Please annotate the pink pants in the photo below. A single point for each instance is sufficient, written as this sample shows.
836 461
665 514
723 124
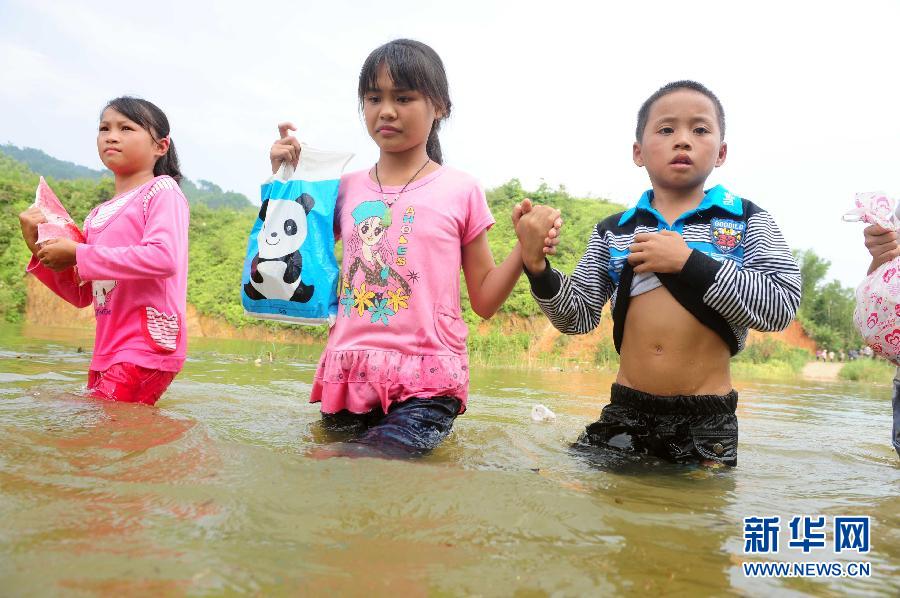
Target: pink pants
129 383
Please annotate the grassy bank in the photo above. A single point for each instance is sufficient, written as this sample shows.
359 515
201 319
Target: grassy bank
868 370
769 359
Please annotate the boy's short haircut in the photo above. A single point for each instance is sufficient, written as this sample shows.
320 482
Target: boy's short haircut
674 86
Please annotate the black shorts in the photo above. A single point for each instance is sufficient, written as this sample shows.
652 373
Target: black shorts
411 428
680 429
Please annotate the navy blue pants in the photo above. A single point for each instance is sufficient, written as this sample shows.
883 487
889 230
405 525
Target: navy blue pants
411 428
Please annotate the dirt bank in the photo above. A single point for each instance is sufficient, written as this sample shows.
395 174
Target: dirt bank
821 370
43 308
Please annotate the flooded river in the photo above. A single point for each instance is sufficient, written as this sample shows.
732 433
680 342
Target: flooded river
214 490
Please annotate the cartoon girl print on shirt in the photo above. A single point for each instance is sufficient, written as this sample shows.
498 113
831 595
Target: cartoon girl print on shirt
380 290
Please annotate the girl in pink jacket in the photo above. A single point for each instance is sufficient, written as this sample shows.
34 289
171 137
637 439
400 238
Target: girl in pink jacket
133 264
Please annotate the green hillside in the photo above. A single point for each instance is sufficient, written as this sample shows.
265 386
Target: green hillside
218 238
48 166
200 193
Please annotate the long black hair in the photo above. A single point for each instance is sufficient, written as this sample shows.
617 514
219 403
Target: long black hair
154 121
412 65
644 112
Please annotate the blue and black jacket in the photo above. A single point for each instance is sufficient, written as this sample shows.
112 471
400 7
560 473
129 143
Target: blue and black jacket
740 274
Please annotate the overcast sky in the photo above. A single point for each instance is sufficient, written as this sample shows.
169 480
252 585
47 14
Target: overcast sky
541 91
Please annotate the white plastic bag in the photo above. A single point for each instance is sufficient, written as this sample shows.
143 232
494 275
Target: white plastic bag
540 413
877 313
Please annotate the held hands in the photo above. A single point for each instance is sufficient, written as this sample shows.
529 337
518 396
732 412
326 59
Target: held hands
29 220
537 228
57 254
286 149
664 252
882 245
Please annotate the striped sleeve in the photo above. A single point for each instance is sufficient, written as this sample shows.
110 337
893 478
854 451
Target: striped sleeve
764 293
573 303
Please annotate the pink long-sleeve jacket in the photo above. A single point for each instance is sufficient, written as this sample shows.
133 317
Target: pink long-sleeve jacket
133 268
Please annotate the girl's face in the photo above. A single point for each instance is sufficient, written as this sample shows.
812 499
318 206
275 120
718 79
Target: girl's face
398 120
370 230
682 142
124 146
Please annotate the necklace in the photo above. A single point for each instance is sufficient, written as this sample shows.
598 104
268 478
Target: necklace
390 202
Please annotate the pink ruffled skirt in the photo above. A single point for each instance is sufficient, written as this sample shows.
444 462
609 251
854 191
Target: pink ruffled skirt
360 381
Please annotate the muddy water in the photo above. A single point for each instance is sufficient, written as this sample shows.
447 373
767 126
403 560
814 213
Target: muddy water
214 491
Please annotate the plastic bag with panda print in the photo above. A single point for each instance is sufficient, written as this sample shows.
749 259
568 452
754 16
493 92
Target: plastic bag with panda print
877 312
290 271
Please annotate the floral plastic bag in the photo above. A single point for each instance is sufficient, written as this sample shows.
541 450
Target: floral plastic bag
290 271
59 224
877 313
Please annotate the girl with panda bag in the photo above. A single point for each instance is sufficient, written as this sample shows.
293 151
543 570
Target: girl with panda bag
133 264
394 374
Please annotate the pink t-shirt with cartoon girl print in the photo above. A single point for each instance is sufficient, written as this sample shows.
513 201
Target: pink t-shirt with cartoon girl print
399 332
133 268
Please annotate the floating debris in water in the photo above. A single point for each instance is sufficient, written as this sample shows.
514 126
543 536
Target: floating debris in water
541 413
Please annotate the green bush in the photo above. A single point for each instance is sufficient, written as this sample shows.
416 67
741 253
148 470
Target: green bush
769 358
868 370
497 347
768 350
605 356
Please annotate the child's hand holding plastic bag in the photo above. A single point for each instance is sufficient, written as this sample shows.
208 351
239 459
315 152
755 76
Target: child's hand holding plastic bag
290 271
58 225
877 313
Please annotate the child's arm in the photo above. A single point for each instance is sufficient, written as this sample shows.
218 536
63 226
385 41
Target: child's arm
572 303
764 293
882 245
164 242
64 282
489 285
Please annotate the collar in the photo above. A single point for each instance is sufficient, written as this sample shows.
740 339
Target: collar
717 197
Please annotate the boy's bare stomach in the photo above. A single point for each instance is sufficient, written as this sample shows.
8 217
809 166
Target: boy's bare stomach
666 351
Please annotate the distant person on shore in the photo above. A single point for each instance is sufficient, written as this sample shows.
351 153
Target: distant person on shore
688 272
395 373
883 247
133 265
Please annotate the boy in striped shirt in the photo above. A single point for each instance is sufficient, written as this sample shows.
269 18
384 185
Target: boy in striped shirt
688 272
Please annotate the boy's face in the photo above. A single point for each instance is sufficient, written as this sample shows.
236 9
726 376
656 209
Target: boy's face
682 142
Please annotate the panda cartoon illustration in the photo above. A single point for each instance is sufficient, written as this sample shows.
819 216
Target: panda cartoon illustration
276 267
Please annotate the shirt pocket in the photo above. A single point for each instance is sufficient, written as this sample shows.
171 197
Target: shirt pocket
451 329
161 331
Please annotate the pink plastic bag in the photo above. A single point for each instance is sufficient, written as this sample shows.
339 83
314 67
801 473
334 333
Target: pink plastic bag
877 313
59 224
